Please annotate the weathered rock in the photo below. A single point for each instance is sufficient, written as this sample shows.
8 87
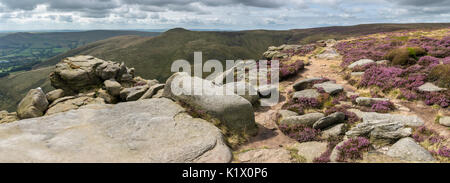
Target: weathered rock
158 94
408 149
265 156
334 156
334 131
311 150
445 120
330 87
324 122
430 87
366 101
244 90
153 131
307 119
234 112
357 74
361 62
55 94
71 103
286 113
108 98
33 104
385 62
412 121
329 54
6 117
238 73
304 84
80 73
380 130
266 91
107 70
309 93
152 91
113 87
133 94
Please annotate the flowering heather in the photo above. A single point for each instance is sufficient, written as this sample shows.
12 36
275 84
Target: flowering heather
436 98
300 132
302 51
427 60
298 105
381 76
353 149
287 70
408 94
423 133
444 151
446 60
325 156
350 117
383 106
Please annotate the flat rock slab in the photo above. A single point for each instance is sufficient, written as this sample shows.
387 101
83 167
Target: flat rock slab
430 87
154 131
309 93
412 120
445 121
361 62
408 149
265 156
307 119
367 101
303 84
311 150
330 87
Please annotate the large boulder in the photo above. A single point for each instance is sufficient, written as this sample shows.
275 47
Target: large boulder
152 131
330 87
245 90
407 120
307 119
265 156
34 104
361 62
235 114
113 87
430 87
81 73
383 130
304 84
408 149
55 94
332 119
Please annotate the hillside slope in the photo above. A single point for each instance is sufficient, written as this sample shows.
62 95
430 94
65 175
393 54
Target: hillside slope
152 57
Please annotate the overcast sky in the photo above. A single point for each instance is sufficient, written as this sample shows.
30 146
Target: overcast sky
214 14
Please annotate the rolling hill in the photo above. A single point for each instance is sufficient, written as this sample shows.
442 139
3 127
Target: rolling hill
153 56
22 50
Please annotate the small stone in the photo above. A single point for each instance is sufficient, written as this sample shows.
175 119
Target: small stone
304 84
307 119
330 87
367 101
445 121
309 93
334 131
324 122
361 62
430 87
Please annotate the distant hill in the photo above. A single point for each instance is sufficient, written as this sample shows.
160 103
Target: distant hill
153 56
22 50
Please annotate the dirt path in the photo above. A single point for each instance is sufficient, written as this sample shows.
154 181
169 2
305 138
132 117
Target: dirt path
270 136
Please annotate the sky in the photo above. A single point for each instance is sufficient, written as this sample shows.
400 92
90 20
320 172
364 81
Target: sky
213 14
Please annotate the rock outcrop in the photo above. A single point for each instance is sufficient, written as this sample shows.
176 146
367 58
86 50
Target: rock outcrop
330 87
309 93
304 84
34 104
6 117
360 63
153 130
234 113
412 121
383 130
408 149
332 119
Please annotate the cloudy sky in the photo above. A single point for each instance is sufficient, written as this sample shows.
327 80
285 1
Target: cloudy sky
214 14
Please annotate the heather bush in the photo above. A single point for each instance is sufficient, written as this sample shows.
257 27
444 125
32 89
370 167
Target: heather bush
325 156
383 106
353 149
300 132
408 94
436 98
422 133
444 151
441 75
427 60
288 70
446 60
